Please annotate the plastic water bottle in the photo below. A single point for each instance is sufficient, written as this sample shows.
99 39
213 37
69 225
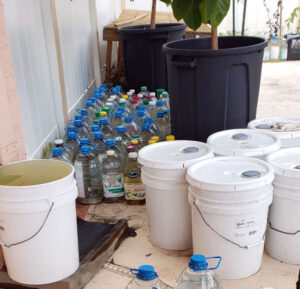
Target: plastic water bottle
163 125
198 276
59 143
80 117
136 144
116 120
99 145
274 48
86 118
166 99
153 96
131 126
283 49
114 93
81 130
99 98
123 103
145 278
59 155
112 177
94 128
110 144
72 144
159 92
94 101
133 186
139 117
144 91
153 126
88 176
121 131
146 134
106 128
90 108
152 109
134 105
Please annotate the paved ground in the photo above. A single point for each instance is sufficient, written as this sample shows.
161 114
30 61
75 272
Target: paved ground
279 96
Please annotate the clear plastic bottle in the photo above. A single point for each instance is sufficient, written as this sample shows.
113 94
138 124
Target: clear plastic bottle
94 128
88 177
166 99
123 103
116 120
145 278
80 117
152 109
112 177
103 93
153 126
81 129
139 117
136 144
153 96
133 186
146 134
274 48
133 105
106 128
59 143
86 118
94 101
131 126
99 146
59 155
159 92
114 93
110 144
198 275
121 131
144 91
163 125
90 108
283 49
99 98
71 142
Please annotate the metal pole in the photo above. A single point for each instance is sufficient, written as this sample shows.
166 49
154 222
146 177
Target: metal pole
244 17
233 17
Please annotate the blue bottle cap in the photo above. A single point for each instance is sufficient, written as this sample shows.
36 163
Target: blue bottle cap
145 126
142 107
101 90
119 87
199 263
84 141
159 103
95 127
84 112
148 119
78 117
97 95
98 135
118 114
103 121
160 114
93 99
85 150
96 89
145 273
127 119
71 135
89 103
110 142
121 108
140 113
78 122
71 128
121 129
114 90
103 85
57 151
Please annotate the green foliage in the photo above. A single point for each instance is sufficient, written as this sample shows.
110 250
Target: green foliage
196 12
47 149
291 19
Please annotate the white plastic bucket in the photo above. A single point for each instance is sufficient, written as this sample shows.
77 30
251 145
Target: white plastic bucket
38 227
244 142
230 197
285 128
163 175
283 234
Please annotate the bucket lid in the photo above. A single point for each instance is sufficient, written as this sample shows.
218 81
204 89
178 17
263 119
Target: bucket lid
178 154
230 174
243 142
286 162
283 127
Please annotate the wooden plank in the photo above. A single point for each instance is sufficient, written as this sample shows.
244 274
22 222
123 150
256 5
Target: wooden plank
89 266
108 61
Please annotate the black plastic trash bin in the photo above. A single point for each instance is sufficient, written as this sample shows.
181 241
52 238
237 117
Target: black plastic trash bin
144 61
213 90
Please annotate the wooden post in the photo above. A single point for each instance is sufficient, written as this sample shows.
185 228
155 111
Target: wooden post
214 39
60 64
119 64
153 14
108 61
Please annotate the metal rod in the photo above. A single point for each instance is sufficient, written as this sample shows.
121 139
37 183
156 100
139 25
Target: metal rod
244 17
233 17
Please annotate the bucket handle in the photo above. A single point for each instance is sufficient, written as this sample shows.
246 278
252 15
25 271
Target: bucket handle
189 63
282 232
220 235
2 243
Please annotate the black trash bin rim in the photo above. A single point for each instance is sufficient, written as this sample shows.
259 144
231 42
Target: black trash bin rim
259 44
145 28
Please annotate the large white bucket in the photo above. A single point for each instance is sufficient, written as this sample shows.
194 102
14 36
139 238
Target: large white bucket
244 142
285 128
283 234
163 175
230 197
38 228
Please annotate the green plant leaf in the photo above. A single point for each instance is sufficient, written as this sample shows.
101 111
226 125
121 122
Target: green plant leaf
207 8
219 13
168 2
181 8
194 18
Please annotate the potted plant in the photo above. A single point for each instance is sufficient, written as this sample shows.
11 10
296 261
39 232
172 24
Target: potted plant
213 82
144 61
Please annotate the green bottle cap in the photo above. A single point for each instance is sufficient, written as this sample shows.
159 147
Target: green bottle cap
146 102
97 113
135 136
144 88
107 109
159 91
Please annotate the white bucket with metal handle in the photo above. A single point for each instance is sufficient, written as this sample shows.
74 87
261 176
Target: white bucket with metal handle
230 197
38 227
283 234
164 177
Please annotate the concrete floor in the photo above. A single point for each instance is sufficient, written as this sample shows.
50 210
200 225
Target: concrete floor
279 96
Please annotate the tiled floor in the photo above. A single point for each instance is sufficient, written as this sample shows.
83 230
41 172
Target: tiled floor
279 95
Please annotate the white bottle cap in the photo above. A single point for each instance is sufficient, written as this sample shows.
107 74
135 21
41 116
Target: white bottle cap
140 95
132 155
59 141
110 153
132 90
152 94
152 102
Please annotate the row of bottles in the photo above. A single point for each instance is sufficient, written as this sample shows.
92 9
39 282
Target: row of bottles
277 49
103 140
196 276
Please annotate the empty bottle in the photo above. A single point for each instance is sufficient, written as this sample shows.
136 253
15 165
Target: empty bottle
131 126
99 145
136 144
90 108
59 143
94 101
133 186
163 125
153 126
110 144
166 99
116 120
94 128
80 117
106 128
146 134
198 276
139 117
112 177
86 118
144 91
71 142
81 129
152 109
88 176
99 98
159 92
121 131
134 105
145 278
59 155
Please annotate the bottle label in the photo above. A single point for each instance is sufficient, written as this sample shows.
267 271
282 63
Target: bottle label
113 186
134 191
80 183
